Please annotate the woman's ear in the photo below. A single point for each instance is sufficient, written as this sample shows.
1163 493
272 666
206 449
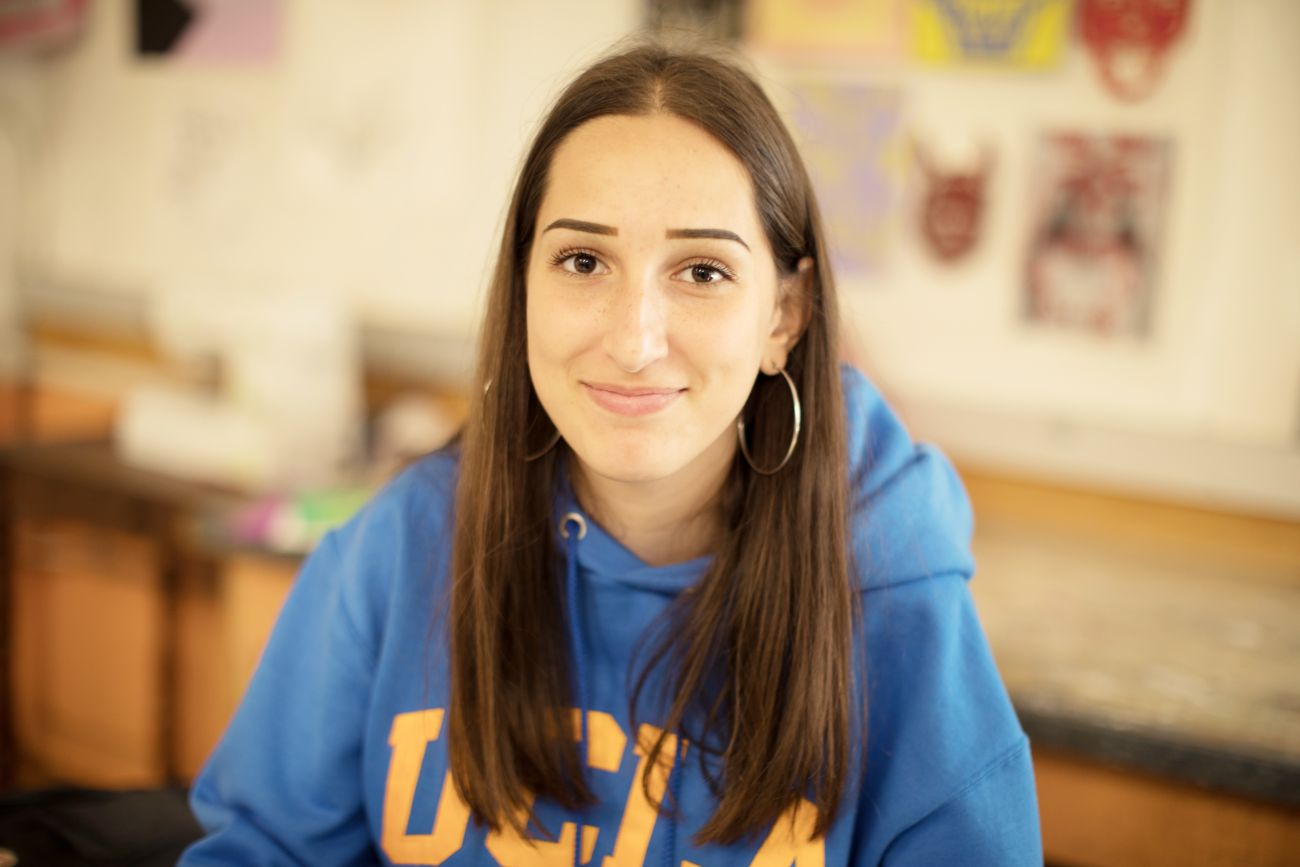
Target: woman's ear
790 318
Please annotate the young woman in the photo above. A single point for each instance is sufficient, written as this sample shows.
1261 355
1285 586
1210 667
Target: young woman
684 592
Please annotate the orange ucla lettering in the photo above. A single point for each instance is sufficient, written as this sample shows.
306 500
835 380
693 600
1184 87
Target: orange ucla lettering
409 736
605 753
790 841
639 815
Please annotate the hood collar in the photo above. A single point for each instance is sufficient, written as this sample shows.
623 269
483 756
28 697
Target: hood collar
601 557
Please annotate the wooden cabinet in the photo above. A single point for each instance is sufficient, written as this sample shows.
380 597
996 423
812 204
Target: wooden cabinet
253 588
89 623
201 705
118 680
1095 816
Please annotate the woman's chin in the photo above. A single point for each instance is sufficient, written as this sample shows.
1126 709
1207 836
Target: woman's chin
627 460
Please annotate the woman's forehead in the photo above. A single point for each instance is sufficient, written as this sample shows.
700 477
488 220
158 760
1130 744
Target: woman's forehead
648 173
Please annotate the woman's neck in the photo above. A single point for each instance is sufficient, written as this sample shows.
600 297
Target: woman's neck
661 521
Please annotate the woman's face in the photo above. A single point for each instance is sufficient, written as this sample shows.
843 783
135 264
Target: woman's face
652 298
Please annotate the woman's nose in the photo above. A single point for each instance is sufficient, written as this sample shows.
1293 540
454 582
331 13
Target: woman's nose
635 332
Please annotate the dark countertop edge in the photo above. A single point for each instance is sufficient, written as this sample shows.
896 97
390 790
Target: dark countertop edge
93 464
1271 778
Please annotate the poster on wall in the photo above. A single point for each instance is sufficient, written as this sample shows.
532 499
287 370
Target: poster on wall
952 202
39 24
1130 40
238 33
711 19
850 137
827 29
1027 34
1095 238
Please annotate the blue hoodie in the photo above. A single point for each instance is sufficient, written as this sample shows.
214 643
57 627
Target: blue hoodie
338 753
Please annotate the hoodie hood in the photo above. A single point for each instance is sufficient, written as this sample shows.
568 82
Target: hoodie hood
911 517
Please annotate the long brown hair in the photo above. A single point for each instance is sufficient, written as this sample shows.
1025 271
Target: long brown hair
759 654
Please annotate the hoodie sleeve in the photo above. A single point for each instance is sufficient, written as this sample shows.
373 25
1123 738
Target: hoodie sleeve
284 785
992 821
949 774
912 517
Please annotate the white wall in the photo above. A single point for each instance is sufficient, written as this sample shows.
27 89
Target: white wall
20 94
374 157
8 258
1243 353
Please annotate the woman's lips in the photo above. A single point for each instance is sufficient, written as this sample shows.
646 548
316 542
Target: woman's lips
632 401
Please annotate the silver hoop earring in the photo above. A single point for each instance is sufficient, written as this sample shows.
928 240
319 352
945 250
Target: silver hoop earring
794 437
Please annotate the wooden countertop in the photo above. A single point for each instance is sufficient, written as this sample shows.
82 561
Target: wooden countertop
1153 636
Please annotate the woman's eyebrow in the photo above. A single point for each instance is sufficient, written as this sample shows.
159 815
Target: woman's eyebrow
582 226
601 229
721 234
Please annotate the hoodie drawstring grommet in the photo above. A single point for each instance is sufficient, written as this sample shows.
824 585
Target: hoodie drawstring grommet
579 654
577 519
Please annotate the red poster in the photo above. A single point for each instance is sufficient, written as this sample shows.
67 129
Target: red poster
1095 242
1130 41
952 203
39 23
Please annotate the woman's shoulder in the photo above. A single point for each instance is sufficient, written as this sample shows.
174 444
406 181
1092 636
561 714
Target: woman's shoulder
911 517
383 556
940 716
425 480
412 500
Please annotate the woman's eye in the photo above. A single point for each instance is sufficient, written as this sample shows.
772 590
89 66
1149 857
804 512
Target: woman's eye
704 272
579 263
583 263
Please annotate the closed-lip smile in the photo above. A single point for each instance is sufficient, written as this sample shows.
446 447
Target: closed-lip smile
631 392
630 401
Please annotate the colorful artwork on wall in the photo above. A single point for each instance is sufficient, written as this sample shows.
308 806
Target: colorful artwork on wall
952 203
1130 41
210 32
1097 215
39 24
849 28
711 19
850 137
1021 33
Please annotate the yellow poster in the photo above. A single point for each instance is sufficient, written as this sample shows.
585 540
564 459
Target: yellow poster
835 27
1029 34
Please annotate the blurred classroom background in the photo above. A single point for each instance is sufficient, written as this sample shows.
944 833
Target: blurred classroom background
243 246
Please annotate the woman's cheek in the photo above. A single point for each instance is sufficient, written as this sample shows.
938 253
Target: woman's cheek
545 322
722 340
564 330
